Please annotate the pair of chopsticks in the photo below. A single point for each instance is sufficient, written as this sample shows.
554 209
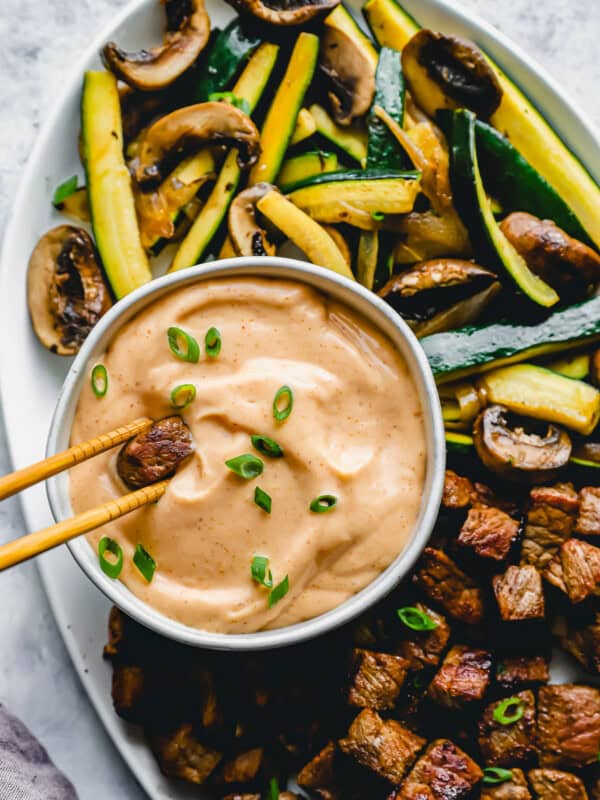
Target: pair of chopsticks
35 543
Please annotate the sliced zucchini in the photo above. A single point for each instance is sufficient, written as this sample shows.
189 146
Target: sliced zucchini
383 150
304 232
227 250
367 258
229 51
490 246
470 350
341 19
542 394
281 117
390 24
305 126
306 165
351 140
110 193
577 367
460 443
250 86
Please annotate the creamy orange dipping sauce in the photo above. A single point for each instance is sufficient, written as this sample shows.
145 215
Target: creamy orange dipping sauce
356 431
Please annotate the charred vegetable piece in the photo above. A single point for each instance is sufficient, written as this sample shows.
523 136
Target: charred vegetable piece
188 29
351 72
66 291
155 454
247 236
296 12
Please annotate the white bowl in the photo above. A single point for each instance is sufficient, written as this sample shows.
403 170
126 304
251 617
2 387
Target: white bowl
355 297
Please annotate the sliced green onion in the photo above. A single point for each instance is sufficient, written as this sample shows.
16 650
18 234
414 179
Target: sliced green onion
273 789
260 571
416 620
110 568
262 499
183 346
246 466
279 592
144 562
230 97
493 775
323 503
183 395
283 403
64 190
99 380
212 342
378 216
503 713
267 446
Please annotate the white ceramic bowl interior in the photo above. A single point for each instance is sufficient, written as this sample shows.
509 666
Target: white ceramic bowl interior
342 289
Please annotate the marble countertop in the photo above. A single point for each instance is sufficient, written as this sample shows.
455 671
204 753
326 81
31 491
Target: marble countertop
40 38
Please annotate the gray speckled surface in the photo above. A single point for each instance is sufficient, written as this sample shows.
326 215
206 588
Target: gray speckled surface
40 38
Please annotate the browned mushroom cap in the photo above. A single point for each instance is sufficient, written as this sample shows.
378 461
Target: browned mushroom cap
155 454
565 263
351 73
188 30
449 72
515 453
66 291
172 137
247 236
294 12
139 108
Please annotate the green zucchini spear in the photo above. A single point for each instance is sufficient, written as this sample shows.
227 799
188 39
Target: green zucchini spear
383 150
229 51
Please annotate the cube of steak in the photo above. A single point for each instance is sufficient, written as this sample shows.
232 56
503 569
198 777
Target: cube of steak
243 767
463 677
575 570
384 746
552 784
377 679
458 491
503 745
445 583
425 648
595 789
443 772
582 641
568 728
519 672
514 789
549 522
489 532
519 593
181 755
128 685
319 772
116 633
588 519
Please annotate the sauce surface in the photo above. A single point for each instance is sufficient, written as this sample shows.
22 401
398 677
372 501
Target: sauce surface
356 431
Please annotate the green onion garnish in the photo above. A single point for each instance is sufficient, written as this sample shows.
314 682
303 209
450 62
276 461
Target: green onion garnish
493 775
213 342
273 789
283 403
266 446
183 395
279 592
110 568
416 620
64 190
503 713
378 216
260 571
183 346
262 499
144 562
323 503
99 380
230 97
246 466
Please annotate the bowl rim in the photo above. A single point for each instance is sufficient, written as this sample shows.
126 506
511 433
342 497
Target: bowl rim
342 289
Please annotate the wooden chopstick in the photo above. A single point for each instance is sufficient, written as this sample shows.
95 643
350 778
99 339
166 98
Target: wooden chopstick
22 478
35 543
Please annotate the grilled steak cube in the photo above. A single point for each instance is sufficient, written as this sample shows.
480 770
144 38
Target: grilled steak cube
514 789
582 641
377 679
595 789
319 772
128 683
384 746
520 672
575 570
501 744
425 648
588 519
568 731
181 755
443 772
549 522
445 583
489 532
552 784
244 767
458 491
519 593
463 677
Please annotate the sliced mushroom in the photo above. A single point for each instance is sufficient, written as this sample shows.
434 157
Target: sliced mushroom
66 291
292 12
155 454
449 72
515 453
247 236
351 73
172 137
567 264
188 30
139 108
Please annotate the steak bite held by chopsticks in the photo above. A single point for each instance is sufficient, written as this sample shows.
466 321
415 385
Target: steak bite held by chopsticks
155 454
